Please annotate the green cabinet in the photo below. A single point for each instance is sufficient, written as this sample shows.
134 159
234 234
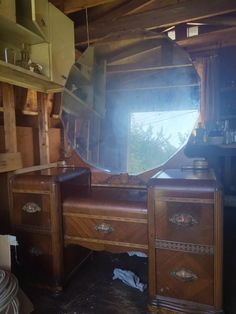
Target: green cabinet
48 35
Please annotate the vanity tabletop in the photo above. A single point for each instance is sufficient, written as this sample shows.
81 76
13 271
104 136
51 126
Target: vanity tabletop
55 174
186 179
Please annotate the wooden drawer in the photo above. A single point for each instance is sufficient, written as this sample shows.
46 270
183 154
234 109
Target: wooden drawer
197 285
184 222
113 230
35 253
31 210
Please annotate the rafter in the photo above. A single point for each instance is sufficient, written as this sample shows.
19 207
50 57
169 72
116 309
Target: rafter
124 9
71 6
184 12
217 38
130 52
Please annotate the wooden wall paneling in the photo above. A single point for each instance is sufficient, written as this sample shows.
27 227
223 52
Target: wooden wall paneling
55 145
9 118
25 143
43 128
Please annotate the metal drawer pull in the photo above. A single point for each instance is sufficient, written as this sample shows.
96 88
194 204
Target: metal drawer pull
183 220
31 208
104 228
35 251
184 275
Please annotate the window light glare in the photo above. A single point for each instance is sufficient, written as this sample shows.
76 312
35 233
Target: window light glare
192 31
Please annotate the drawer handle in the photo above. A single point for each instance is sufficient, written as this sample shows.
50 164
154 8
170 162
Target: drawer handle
104 228
183 220
35 251
184 275
31 208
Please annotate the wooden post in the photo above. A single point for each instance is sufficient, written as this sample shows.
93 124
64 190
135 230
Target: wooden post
43 128
9 118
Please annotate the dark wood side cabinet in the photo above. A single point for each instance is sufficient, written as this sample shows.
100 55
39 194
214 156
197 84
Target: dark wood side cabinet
185 242
36 220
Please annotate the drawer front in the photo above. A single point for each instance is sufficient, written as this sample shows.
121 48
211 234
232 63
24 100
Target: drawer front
31 210
35 253
185 276
184 222
117 230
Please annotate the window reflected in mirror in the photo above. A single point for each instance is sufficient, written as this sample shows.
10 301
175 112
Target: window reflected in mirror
129 106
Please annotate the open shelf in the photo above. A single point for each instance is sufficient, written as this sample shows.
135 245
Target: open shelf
16 75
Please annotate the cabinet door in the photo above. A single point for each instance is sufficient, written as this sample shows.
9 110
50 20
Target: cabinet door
62 45
33 14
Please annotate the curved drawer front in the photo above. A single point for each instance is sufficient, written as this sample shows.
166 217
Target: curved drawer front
185 276
31 210
108 229
184 222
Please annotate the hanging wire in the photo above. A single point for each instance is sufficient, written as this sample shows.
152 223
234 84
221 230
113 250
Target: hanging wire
87 25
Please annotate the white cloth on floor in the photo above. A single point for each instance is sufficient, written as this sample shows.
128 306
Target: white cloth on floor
129 278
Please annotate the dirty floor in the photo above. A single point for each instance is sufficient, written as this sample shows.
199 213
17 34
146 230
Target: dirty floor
92 290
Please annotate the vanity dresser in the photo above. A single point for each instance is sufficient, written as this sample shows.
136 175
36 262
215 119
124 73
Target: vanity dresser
185 242
36 217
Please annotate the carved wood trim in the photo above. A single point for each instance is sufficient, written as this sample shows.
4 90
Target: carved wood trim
80 241
28 191
171 305
185 247
185 200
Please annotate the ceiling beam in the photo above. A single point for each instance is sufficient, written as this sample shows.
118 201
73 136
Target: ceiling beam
132 51
71 6
124 9
133 68
219 21
190 10
216 39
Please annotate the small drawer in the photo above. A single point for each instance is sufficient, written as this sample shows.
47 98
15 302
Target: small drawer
185 276
184 222
31 210
35 252
120 230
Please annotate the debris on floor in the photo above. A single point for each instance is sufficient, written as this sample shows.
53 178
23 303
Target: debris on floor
129 278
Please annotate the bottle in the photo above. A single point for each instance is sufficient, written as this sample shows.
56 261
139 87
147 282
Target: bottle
227 133
25 57
200 134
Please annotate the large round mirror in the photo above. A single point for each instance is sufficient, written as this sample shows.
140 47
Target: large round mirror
129 105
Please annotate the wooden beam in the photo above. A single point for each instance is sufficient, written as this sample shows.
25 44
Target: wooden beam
124 9
9 118
219 38
219 21
124 68
153 87
180 13
133 51
158 79
127 37
71 6
43 128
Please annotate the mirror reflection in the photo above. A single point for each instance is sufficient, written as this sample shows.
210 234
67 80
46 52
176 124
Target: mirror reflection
129 105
